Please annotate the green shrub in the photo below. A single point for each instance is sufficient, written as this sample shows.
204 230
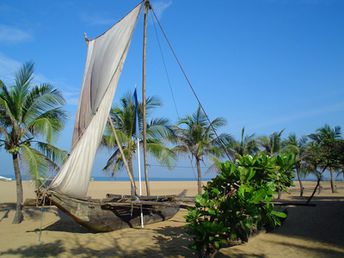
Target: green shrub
237 202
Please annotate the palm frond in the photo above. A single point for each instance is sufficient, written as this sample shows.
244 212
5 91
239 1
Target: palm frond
40 99
114 163
37 163
48 123
54 154
163 154
23 78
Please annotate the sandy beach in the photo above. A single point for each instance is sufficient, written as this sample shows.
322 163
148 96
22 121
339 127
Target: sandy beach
308 231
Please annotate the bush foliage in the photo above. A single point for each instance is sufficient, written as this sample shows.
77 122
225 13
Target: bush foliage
238 202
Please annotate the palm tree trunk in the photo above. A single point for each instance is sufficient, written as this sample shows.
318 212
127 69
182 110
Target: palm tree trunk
319 188
147 183
18 217
300 182
279 194
199 176
315 189
333 186
317 185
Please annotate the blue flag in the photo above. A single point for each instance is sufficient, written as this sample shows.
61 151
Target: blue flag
136 103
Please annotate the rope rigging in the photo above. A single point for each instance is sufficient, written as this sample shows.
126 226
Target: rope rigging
165 68
189 82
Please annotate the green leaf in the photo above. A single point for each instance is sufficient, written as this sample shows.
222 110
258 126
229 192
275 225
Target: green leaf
279 214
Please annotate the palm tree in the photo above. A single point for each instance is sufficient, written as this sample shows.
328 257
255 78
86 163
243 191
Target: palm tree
315 162
195 135
327 138
247 145
298 147
158 130
272 144
29 118
339 152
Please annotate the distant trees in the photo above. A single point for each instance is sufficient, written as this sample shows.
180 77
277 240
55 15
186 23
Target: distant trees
271 144
297 146
30 115
247 145
316 153
327 137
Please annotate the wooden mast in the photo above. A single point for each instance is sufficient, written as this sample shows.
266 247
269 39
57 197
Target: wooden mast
144 96
130 173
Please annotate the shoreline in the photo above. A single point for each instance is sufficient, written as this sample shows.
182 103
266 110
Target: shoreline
162 179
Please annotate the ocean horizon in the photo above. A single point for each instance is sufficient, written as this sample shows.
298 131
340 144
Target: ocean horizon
168 179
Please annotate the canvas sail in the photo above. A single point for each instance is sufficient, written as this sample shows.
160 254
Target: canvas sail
105 57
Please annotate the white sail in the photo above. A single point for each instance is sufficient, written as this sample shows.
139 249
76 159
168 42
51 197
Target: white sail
105 57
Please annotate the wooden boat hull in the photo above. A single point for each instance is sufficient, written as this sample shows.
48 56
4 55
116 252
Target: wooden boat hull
111 214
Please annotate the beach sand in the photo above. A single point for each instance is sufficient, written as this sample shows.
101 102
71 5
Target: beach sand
307 232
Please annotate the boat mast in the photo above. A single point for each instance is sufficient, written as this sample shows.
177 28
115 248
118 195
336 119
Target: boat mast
144 95
130 173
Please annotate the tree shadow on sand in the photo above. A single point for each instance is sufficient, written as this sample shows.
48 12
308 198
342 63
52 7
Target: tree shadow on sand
66 224
63 224
317 198
168 242
241 255
314 251
40 250
33 213
323 223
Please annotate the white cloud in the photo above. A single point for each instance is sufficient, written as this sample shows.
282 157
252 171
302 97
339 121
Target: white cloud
13 35
161 6
9 66
72 97
96 19
302 115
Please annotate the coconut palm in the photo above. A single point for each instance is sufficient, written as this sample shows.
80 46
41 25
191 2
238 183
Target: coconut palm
247 145
195 135
29 118
327 137
271 144
298 147
158 130
315 162
339 152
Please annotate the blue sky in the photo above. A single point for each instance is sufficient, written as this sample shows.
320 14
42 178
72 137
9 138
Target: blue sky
263 64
